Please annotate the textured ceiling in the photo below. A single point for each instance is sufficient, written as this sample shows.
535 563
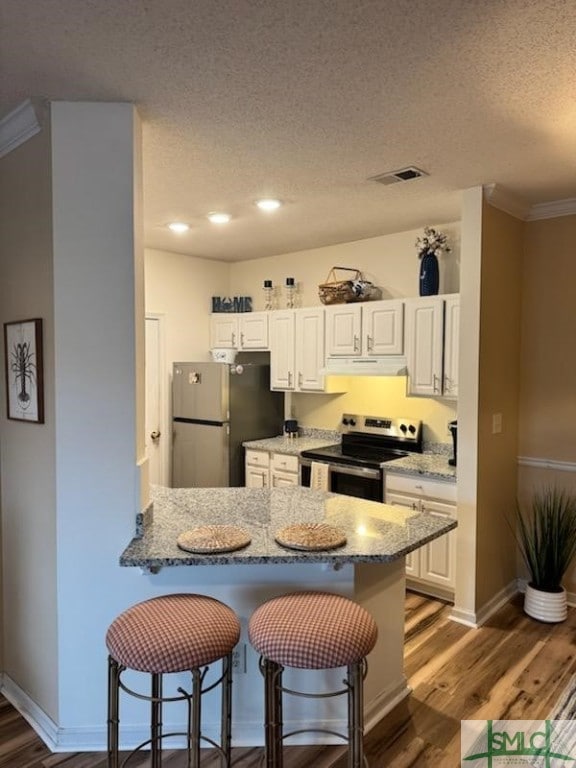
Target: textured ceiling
306 99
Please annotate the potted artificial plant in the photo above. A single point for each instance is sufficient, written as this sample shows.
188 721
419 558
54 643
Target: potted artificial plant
546 535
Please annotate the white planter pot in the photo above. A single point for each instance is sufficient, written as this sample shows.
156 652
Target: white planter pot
545 606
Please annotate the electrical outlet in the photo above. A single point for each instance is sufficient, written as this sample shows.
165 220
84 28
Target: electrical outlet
239 659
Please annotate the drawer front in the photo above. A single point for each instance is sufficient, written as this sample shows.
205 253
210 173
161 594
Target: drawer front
421 486
257 458
284 463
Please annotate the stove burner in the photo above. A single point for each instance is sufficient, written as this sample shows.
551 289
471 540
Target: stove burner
371 441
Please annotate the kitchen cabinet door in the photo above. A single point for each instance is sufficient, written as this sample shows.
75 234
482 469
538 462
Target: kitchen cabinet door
451 341
310 357
411 502
256 477
438 560
223 331
254 330
383 327
282 350
344 330
424 345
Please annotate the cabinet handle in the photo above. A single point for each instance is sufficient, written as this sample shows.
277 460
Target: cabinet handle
435 383
289 378
233 339
300 378
447 385
355 343
241 339
369 343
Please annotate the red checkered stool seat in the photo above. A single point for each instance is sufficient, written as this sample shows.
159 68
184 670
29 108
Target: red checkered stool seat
174 633
312 630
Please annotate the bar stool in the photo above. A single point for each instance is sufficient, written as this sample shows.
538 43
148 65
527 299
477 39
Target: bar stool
312 630
174 633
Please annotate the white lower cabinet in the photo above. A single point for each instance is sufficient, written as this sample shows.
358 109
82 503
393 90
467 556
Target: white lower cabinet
270 470
432 568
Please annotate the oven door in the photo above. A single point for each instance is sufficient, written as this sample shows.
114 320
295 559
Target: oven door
361 482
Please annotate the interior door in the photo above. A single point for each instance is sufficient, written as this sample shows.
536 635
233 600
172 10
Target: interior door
155 440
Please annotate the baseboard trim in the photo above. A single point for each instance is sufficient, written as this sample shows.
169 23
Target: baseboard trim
480 617
249 734
377 709
43 725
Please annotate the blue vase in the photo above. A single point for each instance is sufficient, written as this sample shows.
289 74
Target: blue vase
429 275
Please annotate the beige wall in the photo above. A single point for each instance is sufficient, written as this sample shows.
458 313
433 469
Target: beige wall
382 396
548 383
389 261
27 450
499 382
179 288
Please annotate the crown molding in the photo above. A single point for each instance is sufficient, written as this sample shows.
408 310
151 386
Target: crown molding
505 201
552 210
17 127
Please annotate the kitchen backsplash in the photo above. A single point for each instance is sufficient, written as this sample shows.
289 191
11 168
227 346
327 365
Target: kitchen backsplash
376 396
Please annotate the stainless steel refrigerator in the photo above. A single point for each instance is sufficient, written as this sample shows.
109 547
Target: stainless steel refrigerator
216 407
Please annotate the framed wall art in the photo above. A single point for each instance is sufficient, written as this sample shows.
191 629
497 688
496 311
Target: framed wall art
24 370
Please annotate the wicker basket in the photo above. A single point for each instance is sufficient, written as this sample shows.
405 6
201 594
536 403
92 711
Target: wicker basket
335 291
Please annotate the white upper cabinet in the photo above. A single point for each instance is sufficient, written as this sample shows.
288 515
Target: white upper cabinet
247 330
310 357
451 340
431 338
282 349
372 329
343 329
297 349
383 327
254 330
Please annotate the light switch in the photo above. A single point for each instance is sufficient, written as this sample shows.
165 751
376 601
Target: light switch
496 423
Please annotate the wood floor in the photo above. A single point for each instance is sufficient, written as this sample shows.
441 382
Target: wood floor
513 668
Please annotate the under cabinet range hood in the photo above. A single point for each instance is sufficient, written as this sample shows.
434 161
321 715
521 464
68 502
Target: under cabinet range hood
389 365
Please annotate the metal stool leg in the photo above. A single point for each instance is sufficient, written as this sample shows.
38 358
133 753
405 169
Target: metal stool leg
114 670
356 715
156 721
196 715
226 714
273 713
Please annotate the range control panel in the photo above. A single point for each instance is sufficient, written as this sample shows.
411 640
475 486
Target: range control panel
398 428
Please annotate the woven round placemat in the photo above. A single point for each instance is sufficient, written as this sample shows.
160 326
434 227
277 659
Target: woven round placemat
310 536
213 538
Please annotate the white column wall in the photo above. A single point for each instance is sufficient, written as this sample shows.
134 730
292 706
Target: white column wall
98 489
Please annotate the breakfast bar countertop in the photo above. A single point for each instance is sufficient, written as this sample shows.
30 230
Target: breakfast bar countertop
375 533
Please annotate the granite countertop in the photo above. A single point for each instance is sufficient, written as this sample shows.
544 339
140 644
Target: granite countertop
432 465
376 533
291 446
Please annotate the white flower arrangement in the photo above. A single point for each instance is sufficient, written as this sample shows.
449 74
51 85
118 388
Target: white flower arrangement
433 242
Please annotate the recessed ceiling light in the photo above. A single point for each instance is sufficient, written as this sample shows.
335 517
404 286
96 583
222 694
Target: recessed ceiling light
268 204
219 218
179 227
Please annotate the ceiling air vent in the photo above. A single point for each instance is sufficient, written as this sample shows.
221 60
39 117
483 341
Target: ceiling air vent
404 174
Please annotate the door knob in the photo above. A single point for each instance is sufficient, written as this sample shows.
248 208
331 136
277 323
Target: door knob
155 435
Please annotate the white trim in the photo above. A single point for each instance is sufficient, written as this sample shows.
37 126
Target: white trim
505 201
477 619
44 726
553 209
164 386
384 703
17 127
560 466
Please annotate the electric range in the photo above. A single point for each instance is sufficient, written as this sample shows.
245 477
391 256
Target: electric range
356 465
